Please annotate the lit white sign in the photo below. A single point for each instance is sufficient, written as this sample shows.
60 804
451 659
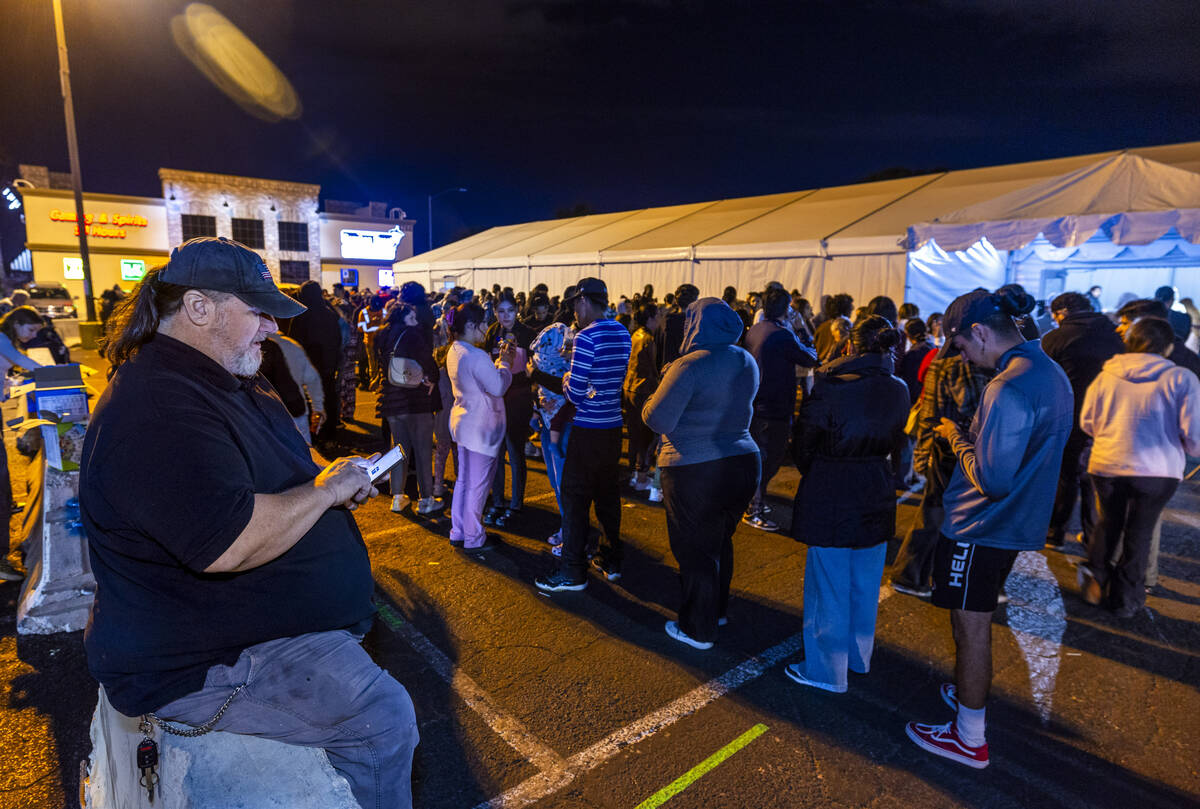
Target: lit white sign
132 269
373 245
387 278
73 268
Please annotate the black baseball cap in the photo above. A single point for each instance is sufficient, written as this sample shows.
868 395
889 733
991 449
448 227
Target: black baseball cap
962 313
594 288
223 265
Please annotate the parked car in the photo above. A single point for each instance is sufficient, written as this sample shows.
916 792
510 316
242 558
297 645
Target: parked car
51 300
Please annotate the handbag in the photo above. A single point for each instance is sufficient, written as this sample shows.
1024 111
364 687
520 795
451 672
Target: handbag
404 372
914 420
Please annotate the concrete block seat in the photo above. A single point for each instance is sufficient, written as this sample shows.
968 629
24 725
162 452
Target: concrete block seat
214 771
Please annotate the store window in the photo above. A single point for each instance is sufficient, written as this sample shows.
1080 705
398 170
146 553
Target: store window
195 226
293 272
293 236
249 232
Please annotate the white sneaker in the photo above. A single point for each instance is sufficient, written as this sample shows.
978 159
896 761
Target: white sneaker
428 506
655 494
400 502
678 634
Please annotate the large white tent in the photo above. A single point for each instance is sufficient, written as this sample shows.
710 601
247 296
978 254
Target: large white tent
851 238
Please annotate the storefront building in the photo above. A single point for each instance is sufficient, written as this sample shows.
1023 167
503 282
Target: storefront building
358 244
279 220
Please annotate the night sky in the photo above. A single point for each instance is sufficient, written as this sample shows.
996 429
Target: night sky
540 105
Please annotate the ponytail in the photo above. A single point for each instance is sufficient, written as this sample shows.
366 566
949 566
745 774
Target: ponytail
136 320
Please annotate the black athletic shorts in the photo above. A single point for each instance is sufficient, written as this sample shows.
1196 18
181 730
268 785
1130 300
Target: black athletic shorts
967 576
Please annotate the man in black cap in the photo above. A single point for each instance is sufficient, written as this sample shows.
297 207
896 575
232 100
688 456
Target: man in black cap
233 587
592 469
998 501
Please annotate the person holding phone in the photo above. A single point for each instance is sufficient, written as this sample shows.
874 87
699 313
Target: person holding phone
518 410
477 421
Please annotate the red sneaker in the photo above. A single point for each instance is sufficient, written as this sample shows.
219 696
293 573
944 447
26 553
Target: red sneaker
943 740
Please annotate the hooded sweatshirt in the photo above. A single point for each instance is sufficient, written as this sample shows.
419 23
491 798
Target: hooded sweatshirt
1143 412
705 401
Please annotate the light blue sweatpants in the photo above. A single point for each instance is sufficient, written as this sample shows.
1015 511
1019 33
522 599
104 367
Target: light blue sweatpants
841 599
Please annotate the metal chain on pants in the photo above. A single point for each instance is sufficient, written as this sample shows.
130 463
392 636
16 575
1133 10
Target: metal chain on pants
198 730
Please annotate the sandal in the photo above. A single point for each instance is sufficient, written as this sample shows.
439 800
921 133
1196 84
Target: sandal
490 514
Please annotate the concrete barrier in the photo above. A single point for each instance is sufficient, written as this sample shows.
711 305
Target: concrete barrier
214 771
59 586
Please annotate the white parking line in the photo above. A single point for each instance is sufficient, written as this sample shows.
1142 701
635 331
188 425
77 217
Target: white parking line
507 727
550 781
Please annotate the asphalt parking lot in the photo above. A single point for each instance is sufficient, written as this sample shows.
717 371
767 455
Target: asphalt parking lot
582 700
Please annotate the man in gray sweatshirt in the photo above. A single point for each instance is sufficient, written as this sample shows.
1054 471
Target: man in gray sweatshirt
998 501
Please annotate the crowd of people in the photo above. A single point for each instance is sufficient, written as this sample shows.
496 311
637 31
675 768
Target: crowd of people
1001 430
200 481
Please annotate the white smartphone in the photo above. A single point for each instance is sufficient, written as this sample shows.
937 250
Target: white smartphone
379 465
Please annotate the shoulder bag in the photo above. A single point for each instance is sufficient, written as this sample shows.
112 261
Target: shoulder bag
404 372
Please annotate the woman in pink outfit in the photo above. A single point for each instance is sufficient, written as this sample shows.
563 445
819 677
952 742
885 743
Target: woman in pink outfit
477 421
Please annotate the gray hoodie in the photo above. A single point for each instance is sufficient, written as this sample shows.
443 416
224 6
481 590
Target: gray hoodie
1144 413
704 403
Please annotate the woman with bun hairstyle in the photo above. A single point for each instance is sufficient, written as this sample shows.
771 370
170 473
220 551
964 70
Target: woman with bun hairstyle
477 421
1143 413
845 508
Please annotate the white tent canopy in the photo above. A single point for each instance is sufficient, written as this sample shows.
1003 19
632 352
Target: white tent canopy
820 241
1138 199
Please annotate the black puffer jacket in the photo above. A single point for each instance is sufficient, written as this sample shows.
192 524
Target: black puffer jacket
849 423
415 343
1081 344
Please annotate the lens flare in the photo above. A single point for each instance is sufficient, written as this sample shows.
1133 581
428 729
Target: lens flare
234 64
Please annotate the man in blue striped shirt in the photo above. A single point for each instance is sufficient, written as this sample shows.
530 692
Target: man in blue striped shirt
591 472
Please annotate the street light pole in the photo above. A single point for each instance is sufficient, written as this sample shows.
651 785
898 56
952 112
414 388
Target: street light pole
429 209
64 75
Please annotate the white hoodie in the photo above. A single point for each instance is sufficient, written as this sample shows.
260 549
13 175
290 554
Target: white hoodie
1144 413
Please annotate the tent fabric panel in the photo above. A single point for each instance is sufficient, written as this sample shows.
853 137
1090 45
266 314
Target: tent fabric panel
1133 228
936 277
711 276
1146 197
1184 156
817 215
620 230
705 223
456 247
563 231
864 277
629 279
958 189
810 248
501 237
1120 183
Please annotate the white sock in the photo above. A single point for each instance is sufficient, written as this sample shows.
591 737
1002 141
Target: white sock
971 725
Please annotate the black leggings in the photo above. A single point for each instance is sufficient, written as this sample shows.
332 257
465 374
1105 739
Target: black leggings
1126 510
704 502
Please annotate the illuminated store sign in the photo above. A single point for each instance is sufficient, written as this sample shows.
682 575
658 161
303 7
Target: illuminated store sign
73 268
373 245
132 269
102 226
387 278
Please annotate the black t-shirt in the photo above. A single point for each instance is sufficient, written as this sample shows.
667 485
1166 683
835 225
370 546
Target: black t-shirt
175 452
